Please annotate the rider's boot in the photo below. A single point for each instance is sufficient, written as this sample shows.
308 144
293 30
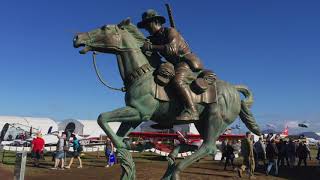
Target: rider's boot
190 113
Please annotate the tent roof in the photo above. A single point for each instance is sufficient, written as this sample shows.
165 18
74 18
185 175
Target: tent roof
92 128
88 127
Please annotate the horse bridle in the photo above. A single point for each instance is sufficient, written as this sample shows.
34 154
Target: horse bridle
94 53
135 74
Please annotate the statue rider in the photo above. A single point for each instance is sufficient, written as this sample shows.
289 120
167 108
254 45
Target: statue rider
169 43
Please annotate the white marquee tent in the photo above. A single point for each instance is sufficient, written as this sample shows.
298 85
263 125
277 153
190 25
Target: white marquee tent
86 127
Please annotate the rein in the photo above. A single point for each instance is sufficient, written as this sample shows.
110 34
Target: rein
123 89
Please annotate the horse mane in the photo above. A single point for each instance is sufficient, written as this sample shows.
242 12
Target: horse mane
135 32
140 38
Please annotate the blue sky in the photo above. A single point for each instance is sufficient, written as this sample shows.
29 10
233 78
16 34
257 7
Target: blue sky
270 46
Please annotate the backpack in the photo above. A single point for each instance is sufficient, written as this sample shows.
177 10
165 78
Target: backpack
80 148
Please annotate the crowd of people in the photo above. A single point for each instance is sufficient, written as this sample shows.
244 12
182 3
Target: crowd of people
269 154
63 151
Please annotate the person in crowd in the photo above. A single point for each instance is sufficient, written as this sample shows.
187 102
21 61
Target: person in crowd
280 148
77 149
59 154
283 158
260 148
248 157
269 137
111 159
286 156
291 153
109 153
37 147
229 153
309 151
223 150
318 153
272 156
302 153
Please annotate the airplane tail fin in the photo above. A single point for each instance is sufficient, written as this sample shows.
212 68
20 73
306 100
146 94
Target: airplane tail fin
285 131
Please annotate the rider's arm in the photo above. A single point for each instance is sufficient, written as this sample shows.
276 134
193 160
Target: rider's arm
170 48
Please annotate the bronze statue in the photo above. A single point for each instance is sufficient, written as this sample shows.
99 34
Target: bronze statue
169 43
218 103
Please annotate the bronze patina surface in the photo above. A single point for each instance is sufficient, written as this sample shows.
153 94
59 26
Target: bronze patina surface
138 70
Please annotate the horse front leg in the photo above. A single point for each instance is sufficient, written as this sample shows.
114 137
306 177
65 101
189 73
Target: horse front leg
124 115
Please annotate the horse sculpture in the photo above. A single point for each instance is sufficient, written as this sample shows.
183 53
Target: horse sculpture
124 40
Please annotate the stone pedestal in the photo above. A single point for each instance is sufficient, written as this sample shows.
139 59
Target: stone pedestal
20 166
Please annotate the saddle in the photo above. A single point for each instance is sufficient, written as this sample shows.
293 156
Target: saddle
203 87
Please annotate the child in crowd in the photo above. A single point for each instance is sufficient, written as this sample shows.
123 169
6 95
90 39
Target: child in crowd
109 152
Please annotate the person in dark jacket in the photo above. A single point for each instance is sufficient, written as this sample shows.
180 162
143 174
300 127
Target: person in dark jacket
285 157
302 153
229 155
272 156
260 148
318 153
281 145
223 150
291 152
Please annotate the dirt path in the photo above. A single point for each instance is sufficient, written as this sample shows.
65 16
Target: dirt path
153 170
5 174
151 167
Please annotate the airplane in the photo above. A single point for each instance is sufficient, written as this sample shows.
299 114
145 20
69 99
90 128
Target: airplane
303 125
16 134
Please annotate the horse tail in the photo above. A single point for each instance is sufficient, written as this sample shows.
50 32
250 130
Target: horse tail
245 113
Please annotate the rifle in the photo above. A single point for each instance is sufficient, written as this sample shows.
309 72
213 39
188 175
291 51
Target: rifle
170 16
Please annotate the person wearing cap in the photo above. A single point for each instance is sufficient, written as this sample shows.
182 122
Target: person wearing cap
169 43
248 156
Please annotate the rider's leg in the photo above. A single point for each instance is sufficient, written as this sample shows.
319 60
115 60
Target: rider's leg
181 82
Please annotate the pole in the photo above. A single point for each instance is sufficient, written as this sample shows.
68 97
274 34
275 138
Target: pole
20 165
2 160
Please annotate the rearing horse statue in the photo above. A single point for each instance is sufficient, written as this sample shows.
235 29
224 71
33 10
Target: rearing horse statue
124 40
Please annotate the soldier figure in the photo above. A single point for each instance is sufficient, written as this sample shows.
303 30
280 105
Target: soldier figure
169 43
248 156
